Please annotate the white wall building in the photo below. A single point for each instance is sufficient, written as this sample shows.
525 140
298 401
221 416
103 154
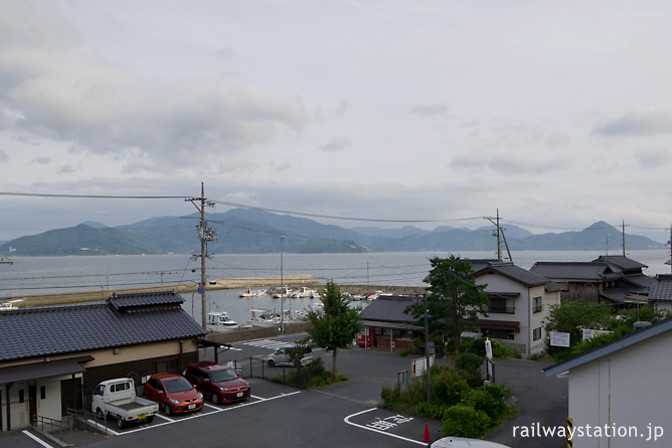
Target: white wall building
519 302
619 393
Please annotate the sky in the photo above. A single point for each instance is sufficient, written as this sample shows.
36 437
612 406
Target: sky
383 112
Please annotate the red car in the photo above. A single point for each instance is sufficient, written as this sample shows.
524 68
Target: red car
173 393
218 382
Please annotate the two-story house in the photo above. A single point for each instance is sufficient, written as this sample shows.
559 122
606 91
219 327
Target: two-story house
520 300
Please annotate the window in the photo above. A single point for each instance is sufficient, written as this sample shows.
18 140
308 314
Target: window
536 304
501 305
43 392
536 334
100 390
21 396
498 333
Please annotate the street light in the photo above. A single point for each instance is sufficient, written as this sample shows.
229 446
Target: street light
282 289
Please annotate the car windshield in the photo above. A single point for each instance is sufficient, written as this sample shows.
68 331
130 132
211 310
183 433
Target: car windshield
219 376
177 385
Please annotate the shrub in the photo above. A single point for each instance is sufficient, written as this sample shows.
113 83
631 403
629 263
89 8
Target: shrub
499 351
448 386
465 421
470 365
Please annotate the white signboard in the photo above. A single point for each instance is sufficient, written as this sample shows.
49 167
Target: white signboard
559 339
488 348
590 334
420 363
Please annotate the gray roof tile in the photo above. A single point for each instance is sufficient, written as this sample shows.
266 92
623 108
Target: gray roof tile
661 289
43 331
389 309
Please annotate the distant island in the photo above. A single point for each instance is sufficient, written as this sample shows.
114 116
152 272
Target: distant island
246 231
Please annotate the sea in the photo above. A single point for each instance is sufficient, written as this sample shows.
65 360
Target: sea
45 275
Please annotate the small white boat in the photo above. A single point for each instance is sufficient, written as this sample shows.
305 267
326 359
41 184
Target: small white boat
220 319
263 318
253 293
305 293
9 304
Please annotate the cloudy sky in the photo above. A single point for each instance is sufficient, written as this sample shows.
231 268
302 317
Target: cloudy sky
559 114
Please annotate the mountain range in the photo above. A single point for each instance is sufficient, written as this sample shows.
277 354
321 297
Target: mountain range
254 231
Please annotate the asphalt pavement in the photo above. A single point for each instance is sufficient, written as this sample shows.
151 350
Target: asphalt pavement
341 414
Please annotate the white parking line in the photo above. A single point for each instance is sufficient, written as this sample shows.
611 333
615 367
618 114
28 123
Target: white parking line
165 417
347 420
218 410
37 439
102 428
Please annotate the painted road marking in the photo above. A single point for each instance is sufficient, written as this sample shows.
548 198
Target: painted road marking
199 415
376 427
37 439
267 343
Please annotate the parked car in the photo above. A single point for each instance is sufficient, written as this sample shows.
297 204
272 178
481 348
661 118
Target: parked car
117 399
281 358
220 383
173 392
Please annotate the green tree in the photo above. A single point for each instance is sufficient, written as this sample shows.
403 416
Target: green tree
454 300
336 325
573 317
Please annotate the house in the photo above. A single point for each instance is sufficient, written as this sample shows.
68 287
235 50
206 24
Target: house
520 300
51 358
661 293
613 279
623 388
387 326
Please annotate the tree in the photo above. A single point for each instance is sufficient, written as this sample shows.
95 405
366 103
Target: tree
454 300
336 325
572 317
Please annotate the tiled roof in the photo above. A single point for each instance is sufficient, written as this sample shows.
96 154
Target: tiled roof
571 270
144 299
643 282
621 263
30 332
661 289
514 272
389 309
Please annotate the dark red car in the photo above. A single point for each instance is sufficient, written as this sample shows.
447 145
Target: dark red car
173 393
218 382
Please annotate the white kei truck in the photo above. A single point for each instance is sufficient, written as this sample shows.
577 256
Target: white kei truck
117 399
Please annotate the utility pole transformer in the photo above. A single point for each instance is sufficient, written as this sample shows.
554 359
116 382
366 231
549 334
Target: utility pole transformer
205 234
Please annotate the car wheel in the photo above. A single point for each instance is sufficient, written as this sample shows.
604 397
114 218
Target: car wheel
215 398
120 423
150 419
166 408
271 363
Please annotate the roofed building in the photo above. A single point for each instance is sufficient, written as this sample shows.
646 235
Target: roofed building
661 293
51 358
613 279
622 390
387 326
520 300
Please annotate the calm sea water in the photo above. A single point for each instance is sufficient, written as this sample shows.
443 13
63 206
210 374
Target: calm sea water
35 275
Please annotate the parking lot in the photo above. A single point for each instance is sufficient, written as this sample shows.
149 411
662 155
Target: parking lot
340 415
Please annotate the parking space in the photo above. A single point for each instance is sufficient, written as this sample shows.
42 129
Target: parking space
262 391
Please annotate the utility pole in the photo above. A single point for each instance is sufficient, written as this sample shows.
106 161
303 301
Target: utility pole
500 231
205 234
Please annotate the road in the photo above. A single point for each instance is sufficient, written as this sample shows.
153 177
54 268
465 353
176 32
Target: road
339 415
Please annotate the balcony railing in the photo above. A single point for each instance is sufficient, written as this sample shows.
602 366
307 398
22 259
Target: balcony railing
511 309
